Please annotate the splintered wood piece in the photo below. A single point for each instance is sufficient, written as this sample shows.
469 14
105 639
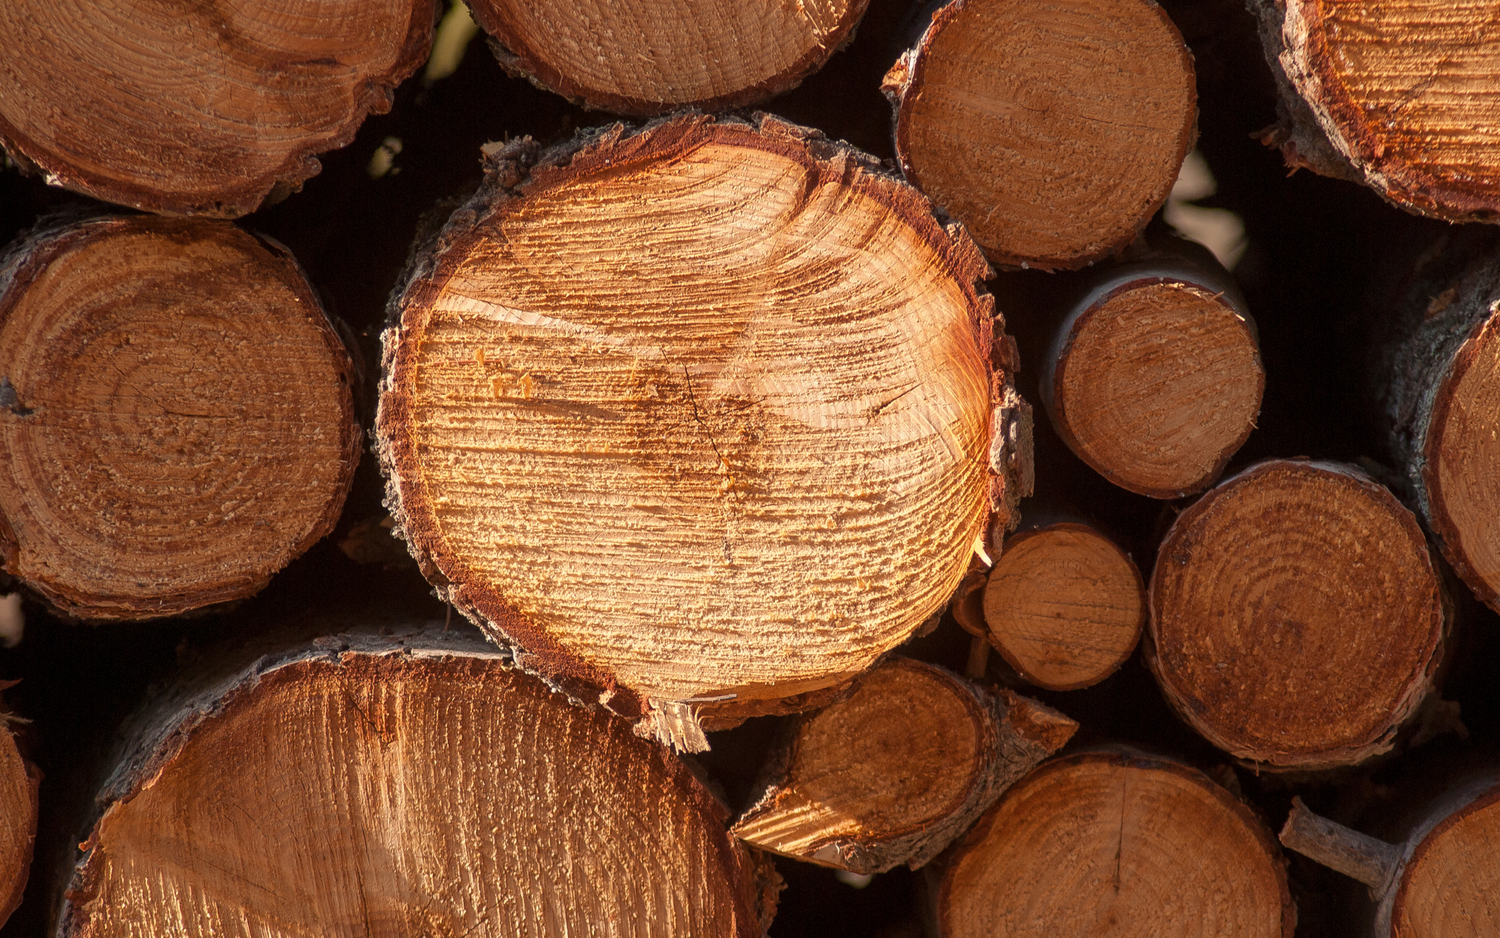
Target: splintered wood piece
1400 95
698 415
1064 606
1053 131
1296 619
894 772
1119 844
1155 380
176 419
650 56
400 786
199 108
1441 880
19 780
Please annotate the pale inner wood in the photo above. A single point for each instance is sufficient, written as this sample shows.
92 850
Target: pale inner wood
1065 606
1296 614
1051 129
1423 74
1100 848
1462 452
1160 384
1450 890
397 798
717 423
187 424
673 53
900 753
190 98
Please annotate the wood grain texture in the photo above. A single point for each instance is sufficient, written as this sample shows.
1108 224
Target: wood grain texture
176 417
199 107
894 772
697 413
1064 606
648 56
1116 844
19 781
406 785
1052 130
1296 618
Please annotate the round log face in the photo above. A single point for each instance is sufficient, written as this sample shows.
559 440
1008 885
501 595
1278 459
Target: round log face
646 56
1407 91
1296 619
18 815
1450 883
1460 455
1064 606
201 107
1053 130
386 795
1099 844
1157 385
697 414
176 421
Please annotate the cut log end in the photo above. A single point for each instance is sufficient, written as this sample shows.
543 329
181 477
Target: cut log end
894 772
378 792
1064 606
176 417
1450 881
201 110
1156 385
19 781
1291 643
645 56
998 94
1099 842
1404 93
702 412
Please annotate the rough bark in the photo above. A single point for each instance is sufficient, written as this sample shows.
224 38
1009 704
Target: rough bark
1118 843
894 772
703 416
407 783
1052 131
1064 606
1396 95
647 57
208 109
176 416
1296 616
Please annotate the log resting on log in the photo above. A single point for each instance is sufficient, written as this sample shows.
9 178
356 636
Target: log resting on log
200 108
1116 843
703 416
1399 95
1296 616
1052 131
646 57
897 770
408 784
176 416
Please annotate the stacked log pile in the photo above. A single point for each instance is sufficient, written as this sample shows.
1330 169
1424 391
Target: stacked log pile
538 494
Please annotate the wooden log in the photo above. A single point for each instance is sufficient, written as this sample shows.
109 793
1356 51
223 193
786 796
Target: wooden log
1052 132
1296 617
1153 376
1394 95
1441 880
404 784
206 109
647 57
19 783
1116 843
176 417
1064 605
703 416
1437 383
893 773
